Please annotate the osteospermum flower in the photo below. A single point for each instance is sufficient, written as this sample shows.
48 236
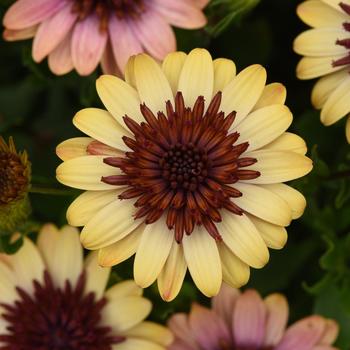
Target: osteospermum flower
326 48
51 298
239 321
185 169
78 34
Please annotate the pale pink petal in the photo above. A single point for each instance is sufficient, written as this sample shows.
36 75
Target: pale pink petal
277 318
26 13
52 31
331 333
180 327
208 328
155 34
180 14
60 59
181 345
88 44
324 347
124 41
223 304
249 320
108 62
200 3
22 34
304 334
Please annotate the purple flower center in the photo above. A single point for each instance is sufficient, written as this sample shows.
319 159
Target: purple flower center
56 319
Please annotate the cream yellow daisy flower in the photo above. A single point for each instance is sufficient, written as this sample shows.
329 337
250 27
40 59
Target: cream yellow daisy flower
51 298
185 169
326 48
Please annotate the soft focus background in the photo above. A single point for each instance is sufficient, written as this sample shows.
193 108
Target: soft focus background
313 270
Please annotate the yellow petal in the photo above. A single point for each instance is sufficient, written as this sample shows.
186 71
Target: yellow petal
8 292
173 273
73 148
197 77
335 4
203 261
273 94
130 72
224 72
172 66
288 142
134 343
315 67
123 289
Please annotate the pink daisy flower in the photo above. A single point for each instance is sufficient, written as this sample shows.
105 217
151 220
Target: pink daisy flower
78 34
244 321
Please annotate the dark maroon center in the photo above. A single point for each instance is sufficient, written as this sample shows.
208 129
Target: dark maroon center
56 319
344 42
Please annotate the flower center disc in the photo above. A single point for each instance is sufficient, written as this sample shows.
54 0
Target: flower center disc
56 319
183 165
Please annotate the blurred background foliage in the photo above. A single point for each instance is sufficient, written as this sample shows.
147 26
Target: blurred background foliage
313 270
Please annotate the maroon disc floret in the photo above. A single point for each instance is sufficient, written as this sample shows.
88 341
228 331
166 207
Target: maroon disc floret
56 319
184 164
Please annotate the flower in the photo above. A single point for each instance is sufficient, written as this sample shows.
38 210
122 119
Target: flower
78 34
245 321
15 174
50 298
326 48
185 169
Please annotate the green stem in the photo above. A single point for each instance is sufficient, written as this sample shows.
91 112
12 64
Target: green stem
50 190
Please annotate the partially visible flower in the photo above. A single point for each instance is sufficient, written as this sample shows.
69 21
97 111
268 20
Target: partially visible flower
15 173
185 169
326 48
245 321
51 298
78 34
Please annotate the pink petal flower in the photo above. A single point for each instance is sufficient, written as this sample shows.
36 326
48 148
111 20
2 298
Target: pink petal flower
52 31
179 325
26 13
331 333
249 320
13 35
88 44
60 59
108 62
304 334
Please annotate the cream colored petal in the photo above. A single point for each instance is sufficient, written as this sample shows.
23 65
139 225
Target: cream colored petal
121 250
3 323
7 286
234 271
335 4
278 166
152 252
126 312
273 94
295 200
27 265
264 125
263 203
100 125
62 253
337 105
133 344
288 142
277 318
242 237
224 72
85 173
119 98
316 13
320 42
96 276
243 92
315 67
73 148
152 84
325 86
130 72
331 333
109 225
347 129
173 273
152 332
274 236
172 66
85 206
197 77
123 289
203 261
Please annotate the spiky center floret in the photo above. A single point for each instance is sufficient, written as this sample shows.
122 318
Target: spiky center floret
14 171
344 61
56 319
183 165
104 8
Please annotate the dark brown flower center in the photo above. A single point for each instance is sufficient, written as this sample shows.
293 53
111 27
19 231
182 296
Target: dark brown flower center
344 42
13 177
183 165
56 319
104 8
